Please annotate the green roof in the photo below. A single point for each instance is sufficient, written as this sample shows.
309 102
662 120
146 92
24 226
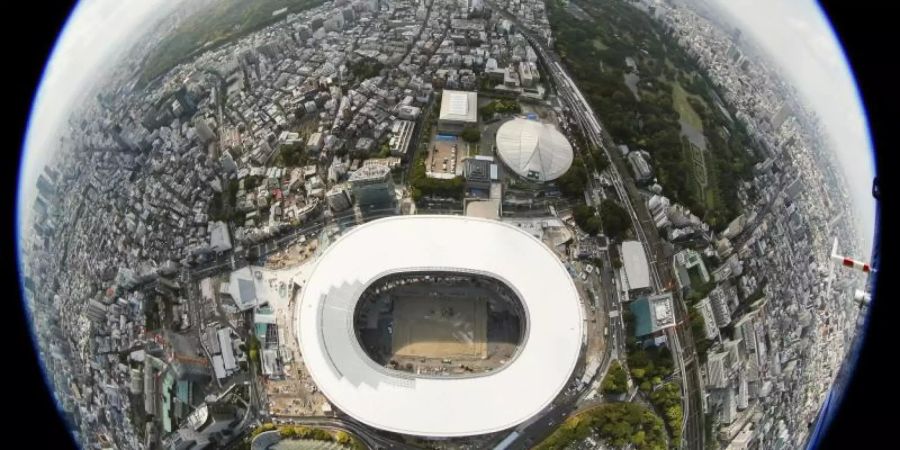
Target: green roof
642 319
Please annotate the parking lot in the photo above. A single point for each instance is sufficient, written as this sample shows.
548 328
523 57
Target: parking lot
445 154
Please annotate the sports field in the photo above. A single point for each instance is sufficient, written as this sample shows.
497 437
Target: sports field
440 327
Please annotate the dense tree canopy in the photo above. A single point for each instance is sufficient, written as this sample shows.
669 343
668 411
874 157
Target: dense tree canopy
573 182
649 366
616 380
595 51
291 155
470 135
616 221
667 401
499 107
586 219
365 68
618 424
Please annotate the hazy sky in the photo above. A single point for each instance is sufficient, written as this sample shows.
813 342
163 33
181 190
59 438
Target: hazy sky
794 32
799 38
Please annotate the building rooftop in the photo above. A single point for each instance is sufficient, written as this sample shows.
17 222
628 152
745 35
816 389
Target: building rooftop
652 314
637 270
370 172
459 106
534 150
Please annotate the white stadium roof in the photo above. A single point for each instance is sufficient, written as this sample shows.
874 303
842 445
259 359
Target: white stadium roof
440 406
533 149
459 106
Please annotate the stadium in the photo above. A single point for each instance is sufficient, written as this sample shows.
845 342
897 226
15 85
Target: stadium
440 326
534 150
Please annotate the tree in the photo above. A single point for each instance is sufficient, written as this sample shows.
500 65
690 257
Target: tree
616 381
586 219
421 185
593 226
619 424
615 219
667 400
470 135
291 155
254 350
365 68
573 182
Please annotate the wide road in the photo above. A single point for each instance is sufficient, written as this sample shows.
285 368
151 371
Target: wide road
644 227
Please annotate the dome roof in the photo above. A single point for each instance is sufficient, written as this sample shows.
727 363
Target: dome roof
534 150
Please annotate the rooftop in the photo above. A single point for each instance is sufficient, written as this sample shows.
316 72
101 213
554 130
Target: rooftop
652 314
459 106
637 270
534 150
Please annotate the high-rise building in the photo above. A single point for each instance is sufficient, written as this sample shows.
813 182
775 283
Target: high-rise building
715 369
743 394
205 133
372 185
227 162
729 408
337 198
401 135
315 141
711 331
95 311
527 73
719 307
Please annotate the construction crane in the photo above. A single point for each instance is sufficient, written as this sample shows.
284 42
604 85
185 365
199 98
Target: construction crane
860 296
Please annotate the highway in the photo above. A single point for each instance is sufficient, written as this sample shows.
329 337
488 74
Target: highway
644 227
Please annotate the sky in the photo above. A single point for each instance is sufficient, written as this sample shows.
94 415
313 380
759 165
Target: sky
95 31
798 37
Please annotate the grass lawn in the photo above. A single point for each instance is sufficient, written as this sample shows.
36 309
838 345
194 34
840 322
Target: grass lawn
685 111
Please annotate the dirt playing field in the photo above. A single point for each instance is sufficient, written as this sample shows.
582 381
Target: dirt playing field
440 327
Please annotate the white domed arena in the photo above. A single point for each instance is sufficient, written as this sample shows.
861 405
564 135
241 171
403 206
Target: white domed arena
431 247
534 150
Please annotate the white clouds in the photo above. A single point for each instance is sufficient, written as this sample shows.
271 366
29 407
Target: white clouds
799 38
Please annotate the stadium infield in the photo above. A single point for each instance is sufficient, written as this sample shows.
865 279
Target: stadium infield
440 327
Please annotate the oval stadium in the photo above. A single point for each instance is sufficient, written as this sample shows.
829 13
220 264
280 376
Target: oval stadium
440 326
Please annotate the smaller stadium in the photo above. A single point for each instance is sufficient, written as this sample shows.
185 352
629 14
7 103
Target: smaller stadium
534 150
